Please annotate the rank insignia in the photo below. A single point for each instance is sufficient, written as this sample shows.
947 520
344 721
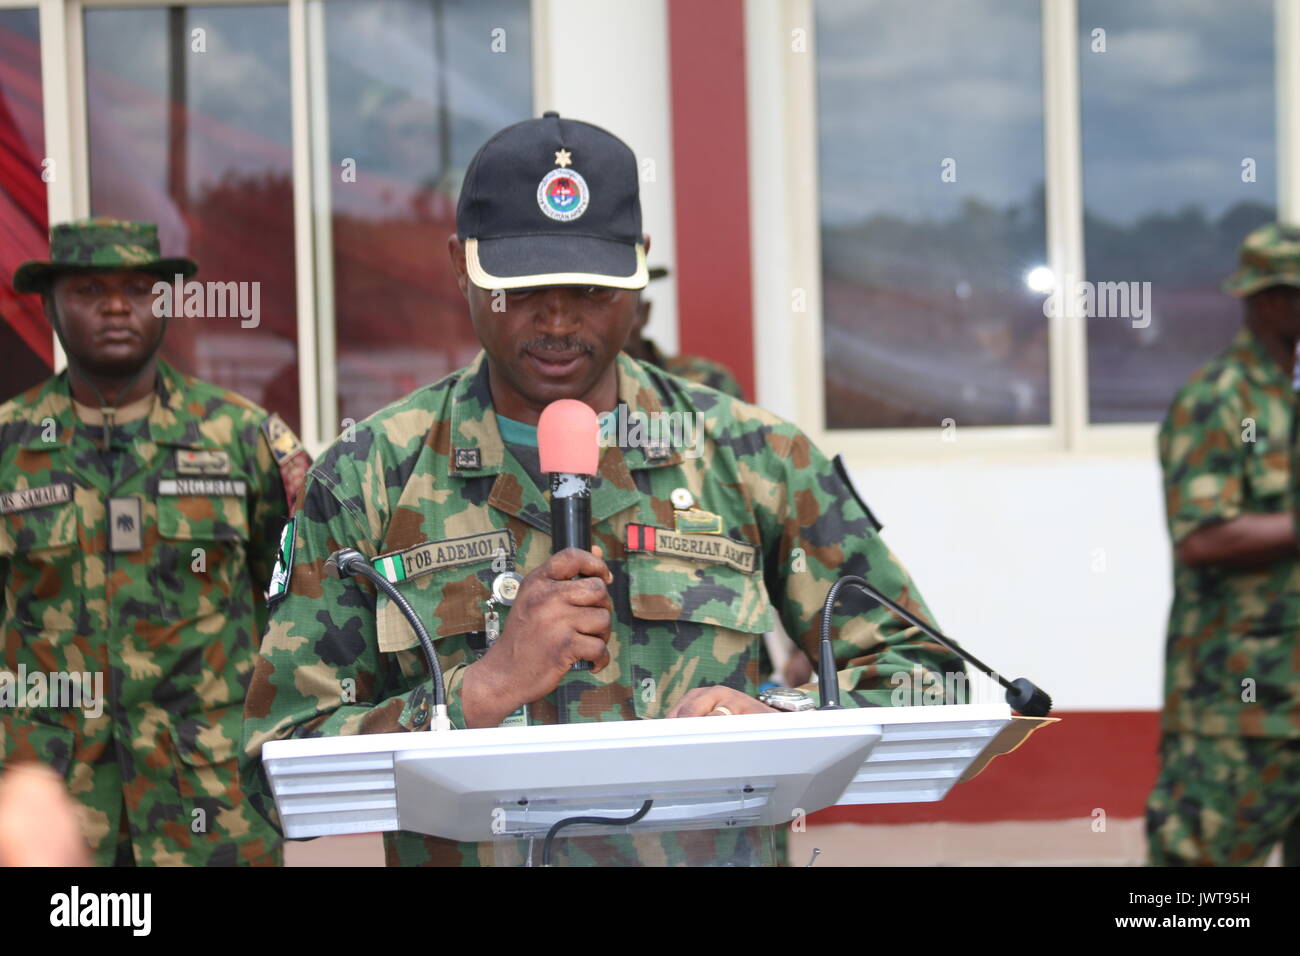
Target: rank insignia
467 459
124 531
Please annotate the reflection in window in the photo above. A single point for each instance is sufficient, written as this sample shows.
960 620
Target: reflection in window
190 128
26 344
1176 97
930 136
414 88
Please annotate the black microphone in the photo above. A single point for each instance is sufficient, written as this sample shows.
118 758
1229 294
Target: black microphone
346 562
568 446
1022 695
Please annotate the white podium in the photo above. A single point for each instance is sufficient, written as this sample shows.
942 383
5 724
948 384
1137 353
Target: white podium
701 772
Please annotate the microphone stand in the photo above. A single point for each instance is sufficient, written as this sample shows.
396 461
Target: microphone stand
1022 695
345 563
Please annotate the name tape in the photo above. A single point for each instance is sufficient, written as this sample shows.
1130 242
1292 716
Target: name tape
11 501
409 563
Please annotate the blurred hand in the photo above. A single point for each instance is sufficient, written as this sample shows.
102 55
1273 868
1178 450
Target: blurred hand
38 820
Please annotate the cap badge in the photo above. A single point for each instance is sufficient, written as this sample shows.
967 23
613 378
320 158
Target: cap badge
563 157
562 195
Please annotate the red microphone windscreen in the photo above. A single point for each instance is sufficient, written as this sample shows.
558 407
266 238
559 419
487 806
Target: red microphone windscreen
568 438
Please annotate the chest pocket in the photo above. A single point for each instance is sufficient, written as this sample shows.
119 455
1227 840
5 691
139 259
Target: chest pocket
44 586
201 559
448 602
713 616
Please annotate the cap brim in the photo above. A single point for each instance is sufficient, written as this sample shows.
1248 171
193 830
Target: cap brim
36 275
526 262
1243 284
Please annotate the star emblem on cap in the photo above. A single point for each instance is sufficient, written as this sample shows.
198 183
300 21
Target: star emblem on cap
563 158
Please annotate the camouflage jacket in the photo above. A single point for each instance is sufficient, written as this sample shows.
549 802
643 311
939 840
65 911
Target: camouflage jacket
432 469
151 617
1231 654
695 369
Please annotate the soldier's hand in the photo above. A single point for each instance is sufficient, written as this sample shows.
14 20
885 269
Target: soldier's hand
561 615
38 820
718 701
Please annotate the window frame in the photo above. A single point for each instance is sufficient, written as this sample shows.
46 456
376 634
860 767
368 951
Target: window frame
67 134
782 114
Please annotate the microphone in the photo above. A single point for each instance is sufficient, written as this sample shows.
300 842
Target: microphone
347 562
568 445
1022 695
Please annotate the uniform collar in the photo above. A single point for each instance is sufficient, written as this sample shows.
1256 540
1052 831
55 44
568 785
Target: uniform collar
1260 367
477 449
168 422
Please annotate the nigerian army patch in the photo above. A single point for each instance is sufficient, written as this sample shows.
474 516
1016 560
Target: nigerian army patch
713 548
283 564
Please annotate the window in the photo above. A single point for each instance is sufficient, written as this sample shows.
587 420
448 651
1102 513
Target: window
189 127
930 139
26 346
1179 163
413 89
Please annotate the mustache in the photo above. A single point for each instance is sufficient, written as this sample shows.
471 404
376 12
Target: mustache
550 343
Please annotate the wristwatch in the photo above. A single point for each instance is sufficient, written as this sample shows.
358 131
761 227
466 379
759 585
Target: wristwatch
786 698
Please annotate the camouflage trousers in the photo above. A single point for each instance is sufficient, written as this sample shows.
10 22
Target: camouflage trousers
747 846
1224 801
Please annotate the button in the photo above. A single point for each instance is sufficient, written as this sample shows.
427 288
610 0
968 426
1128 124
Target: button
682 499
550 114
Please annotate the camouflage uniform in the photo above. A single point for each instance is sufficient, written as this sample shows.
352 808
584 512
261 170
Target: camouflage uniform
163 602
701 371
1230 755
433 468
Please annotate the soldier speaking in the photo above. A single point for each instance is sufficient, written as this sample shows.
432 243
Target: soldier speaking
140 513
698 553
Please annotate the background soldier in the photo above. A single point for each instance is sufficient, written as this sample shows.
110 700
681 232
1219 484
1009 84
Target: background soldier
693 368
1229 781
671 632
140 513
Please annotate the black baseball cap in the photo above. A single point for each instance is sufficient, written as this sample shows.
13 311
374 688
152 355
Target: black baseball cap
551 202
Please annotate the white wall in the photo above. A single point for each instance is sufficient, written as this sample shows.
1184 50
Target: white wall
607 63
1004 553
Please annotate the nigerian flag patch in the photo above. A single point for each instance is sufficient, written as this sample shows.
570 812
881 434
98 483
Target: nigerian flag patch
283 563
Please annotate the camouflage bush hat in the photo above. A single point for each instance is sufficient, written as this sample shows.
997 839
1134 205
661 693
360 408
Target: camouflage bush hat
100 245
1269 256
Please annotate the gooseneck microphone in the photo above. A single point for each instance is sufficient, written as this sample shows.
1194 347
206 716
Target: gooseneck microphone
1022 695
347 562
568 446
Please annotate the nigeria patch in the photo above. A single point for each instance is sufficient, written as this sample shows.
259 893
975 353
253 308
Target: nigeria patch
562 195
283 564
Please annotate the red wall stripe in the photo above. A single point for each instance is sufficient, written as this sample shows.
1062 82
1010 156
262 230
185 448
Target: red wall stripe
1090 759
706 43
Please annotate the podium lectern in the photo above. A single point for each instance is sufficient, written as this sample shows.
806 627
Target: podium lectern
700 772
